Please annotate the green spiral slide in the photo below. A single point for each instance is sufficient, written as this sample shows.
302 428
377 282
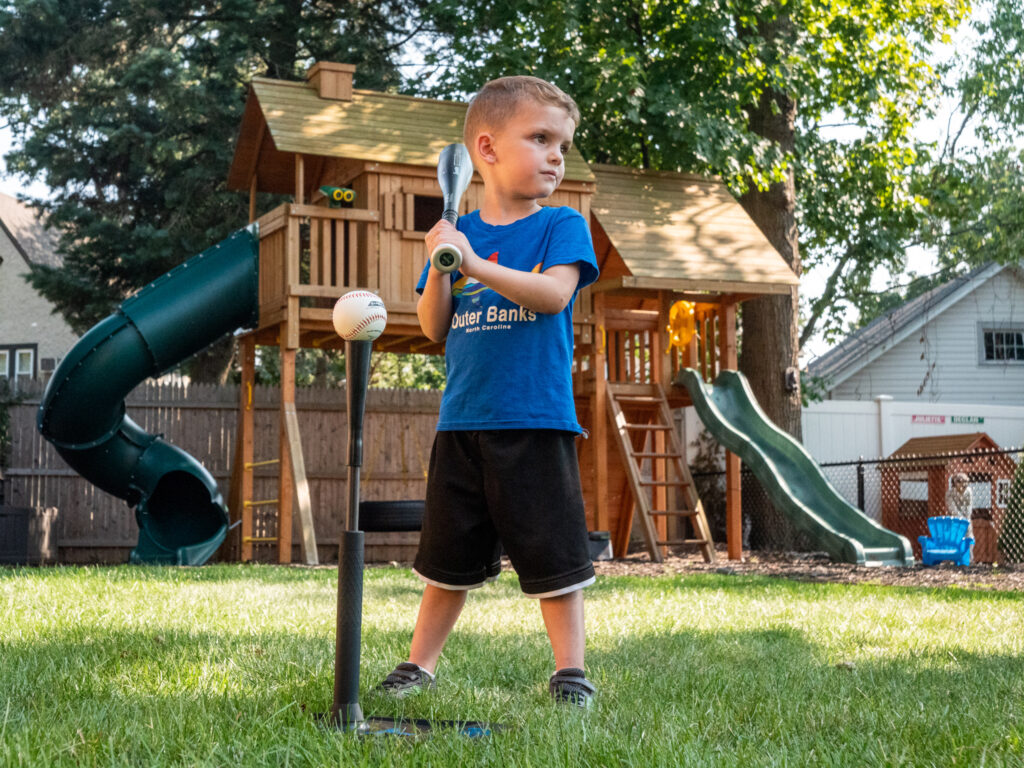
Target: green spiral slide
181 514
793 480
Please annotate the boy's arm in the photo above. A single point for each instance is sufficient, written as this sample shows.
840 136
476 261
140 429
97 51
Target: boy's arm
434 308
548 292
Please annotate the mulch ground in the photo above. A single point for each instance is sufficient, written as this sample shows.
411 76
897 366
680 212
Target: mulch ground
818 568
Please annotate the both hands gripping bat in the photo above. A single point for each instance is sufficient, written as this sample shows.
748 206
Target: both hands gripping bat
454 171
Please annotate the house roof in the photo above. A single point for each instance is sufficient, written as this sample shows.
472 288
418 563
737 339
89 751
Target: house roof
36 244
681 226
372 126
866 344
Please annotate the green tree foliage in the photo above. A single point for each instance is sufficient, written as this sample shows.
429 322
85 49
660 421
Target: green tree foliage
326 368
1011 537
696 87
963 193
128 111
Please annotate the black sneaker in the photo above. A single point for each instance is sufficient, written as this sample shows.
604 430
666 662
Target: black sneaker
570 686
407 678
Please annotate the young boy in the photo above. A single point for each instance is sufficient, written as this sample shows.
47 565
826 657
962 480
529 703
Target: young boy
503 469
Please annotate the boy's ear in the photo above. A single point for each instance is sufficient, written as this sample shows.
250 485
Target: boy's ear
485 148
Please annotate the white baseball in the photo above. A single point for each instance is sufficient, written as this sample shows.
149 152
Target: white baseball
359 316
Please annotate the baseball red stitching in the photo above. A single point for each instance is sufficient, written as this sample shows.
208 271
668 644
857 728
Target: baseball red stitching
367 319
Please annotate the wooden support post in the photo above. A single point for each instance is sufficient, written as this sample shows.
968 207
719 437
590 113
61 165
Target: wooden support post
300 179
727 359
248 414
733 507
285 481
290 332
665 349
599 418
253 188
307 543
241 471
656 344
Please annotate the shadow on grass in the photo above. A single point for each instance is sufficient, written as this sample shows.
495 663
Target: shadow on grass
399 581
724 690
743 584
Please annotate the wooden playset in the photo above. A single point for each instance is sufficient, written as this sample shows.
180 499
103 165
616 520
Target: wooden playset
660 239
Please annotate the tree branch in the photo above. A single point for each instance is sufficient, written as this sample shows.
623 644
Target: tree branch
826 299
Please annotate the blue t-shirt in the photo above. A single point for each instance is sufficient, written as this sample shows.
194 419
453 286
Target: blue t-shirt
510 367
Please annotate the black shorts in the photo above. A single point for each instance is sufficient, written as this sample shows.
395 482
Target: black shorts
512 488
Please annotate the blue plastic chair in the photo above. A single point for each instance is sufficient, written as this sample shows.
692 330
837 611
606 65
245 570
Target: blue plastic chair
947 541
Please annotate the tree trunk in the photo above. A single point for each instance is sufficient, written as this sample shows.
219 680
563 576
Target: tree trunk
770 340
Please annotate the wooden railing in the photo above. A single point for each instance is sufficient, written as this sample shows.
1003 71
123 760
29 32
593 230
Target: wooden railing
637 349
311 254
703 353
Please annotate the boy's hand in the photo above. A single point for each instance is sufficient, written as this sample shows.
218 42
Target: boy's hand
445 233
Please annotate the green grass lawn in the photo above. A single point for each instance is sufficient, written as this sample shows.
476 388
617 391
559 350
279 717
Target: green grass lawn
226 666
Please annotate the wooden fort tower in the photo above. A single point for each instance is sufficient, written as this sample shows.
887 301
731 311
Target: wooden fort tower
660 238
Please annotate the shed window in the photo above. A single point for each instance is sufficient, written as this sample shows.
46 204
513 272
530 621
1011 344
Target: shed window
914 490
1003 345
1002 493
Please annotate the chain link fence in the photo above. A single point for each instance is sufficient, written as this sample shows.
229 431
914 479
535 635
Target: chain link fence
900 492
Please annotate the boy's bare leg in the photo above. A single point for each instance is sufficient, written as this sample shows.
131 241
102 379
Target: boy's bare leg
563 618
439 609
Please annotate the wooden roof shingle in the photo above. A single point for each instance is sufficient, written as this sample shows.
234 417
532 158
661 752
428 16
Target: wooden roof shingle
684 228
940 444
372 127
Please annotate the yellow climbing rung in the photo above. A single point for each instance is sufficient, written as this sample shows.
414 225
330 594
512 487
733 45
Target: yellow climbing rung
257 539
267 463
262 503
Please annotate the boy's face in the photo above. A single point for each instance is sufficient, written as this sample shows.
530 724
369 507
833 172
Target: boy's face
526 156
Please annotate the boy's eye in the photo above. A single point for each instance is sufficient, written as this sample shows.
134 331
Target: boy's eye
564 148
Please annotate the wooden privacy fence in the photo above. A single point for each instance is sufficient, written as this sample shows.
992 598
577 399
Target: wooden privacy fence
93 526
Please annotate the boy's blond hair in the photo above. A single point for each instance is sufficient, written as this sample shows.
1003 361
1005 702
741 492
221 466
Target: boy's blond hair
498 100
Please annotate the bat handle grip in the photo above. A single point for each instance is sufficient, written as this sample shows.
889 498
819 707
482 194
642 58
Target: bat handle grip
446 257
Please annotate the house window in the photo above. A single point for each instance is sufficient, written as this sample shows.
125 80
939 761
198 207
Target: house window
1002 493
25 363
1002 345
18 361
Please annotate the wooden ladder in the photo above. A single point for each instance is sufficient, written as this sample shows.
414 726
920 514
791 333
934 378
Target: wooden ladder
292 474
643 422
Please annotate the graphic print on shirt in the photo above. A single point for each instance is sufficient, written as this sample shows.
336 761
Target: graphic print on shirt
475 316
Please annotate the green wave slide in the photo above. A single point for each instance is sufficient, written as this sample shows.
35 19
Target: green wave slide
793 480
181 514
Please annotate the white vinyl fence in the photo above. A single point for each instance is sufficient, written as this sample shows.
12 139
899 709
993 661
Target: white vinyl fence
848 430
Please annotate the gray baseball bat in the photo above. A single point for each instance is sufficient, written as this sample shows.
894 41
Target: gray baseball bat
454 171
